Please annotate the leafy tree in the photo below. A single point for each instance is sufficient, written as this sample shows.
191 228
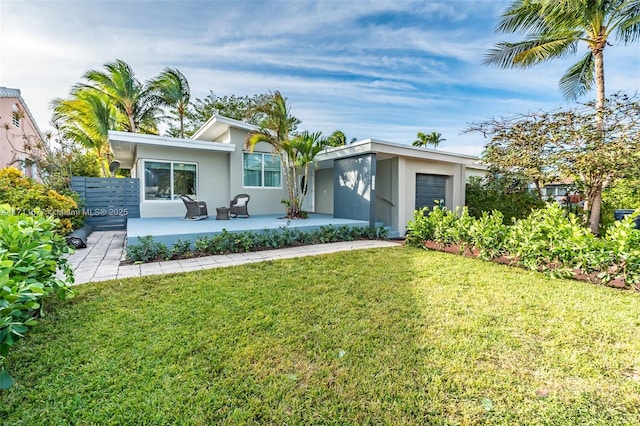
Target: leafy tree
554 28
295 152
172 89
134 100
433 138
593 147
242 108
519 145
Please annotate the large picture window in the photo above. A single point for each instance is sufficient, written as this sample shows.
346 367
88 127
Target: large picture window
261 170
167 180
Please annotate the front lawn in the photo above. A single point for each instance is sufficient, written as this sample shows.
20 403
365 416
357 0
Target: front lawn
391 336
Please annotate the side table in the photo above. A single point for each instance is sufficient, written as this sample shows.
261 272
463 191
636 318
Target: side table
222 213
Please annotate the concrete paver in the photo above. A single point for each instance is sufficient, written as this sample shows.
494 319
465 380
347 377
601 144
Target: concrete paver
100 261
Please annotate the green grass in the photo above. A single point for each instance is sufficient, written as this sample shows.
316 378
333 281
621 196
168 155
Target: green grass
389 336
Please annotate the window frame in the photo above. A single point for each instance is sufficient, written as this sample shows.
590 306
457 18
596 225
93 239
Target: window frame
172 194
262 170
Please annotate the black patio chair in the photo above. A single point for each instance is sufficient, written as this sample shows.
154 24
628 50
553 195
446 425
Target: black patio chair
238 206
196 210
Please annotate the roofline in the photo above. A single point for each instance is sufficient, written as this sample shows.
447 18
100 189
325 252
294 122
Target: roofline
374 145
7 92
224 120
145 139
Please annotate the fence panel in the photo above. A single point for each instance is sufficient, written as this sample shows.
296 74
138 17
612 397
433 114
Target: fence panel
108 202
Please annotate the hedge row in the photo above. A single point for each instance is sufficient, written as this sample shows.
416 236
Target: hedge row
548 240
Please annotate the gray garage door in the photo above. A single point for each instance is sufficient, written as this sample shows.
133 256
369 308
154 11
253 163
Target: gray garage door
430 188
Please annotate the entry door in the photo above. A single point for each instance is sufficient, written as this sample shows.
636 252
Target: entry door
429 189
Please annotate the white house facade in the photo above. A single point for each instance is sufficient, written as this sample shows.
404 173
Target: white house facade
377 181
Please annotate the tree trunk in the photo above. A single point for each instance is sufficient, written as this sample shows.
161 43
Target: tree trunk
596 200
596 203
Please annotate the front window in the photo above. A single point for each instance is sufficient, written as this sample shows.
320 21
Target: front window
166 180
262 170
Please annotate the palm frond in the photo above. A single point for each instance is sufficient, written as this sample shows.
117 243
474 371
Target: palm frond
579 79
530 52
628 27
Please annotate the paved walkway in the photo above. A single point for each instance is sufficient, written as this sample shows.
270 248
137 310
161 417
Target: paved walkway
100 261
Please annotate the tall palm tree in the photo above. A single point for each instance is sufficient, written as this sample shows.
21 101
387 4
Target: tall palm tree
275 130
133 99
422 139
553 29
85 119
172 89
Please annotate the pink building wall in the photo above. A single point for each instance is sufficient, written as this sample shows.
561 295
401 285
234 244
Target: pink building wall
13 132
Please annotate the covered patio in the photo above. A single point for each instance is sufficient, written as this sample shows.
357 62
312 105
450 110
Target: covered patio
168 230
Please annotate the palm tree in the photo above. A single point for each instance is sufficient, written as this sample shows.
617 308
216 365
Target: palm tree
130 97
86 119
172 89
336 138
302 151
433 138
275 130
553 29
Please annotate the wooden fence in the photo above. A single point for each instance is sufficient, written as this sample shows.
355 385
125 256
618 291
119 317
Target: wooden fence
108 202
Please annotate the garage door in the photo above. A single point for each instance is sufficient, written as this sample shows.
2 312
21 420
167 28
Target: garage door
429 189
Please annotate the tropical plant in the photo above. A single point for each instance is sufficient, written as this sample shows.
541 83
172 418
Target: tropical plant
134 100
85 119
424 140
553 29
33 264
172 89
276 130
301 151
337 138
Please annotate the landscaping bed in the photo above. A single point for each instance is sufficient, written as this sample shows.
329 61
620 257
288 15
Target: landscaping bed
550 240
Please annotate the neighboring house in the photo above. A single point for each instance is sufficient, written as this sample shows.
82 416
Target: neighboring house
19 134
561 191
381 182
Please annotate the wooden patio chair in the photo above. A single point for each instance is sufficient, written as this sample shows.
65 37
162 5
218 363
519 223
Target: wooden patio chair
196 210
238 206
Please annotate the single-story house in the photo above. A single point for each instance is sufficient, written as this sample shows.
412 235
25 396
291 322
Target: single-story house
381 182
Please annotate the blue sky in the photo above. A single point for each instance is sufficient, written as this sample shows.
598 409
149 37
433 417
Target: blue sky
373 69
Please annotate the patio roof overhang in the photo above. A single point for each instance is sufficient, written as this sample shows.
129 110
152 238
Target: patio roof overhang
384 150
124 145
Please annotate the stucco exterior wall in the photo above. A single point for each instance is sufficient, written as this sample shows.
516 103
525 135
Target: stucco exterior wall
263 200
12 138
212 179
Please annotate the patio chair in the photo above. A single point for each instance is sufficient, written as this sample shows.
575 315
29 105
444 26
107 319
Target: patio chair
196 210
238 206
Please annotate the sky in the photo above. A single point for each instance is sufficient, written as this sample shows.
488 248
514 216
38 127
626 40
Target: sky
373 69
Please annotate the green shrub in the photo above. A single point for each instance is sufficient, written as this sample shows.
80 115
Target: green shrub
488 235
493 195
31 254
24 194
147 250
226 242
550 239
